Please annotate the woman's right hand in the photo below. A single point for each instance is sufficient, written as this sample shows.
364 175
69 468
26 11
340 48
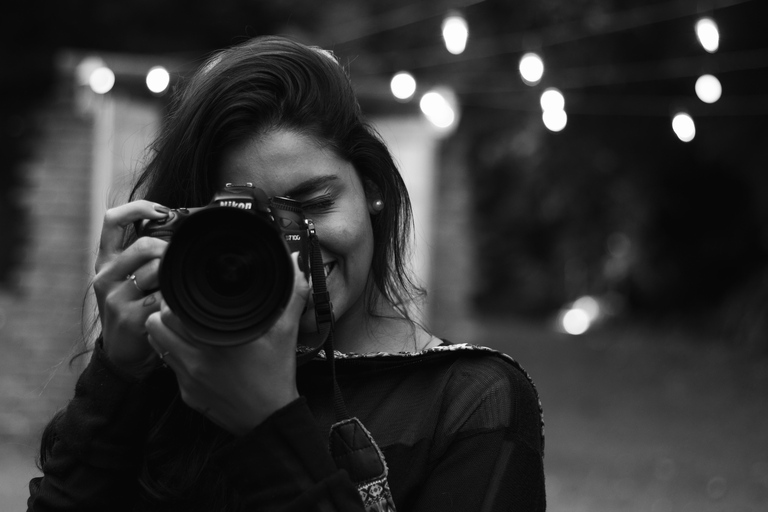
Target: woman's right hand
125 303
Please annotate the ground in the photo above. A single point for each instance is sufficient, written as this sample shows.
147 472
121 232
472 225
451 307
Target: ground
636 420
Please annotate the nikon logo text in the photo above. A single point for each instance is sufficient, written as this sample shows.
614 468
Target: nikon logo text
293 238
236 204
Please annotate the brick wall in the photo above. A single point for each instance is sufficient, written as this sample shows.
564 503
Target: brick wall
42 315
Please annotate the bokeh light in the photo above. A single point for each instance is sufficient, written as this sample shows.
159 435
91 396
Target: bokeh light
403 85
158 79
708 88
439 107
575 321
455 33
554 120
684 127
85 69
588 305
101 80
552 99
531 68
708 34
580 315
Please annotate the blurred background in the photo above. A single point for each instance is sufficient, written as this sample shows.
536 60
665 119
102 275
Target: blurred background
590 192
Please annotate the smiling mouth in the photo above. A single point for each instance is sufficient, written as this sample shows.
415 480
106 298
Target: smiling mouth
328 267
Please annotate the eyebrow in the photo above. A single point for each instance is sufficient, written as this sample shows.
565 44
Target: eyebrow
312 185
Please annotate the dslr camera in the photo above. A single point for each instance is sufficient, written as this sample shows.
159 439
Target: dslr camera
227 272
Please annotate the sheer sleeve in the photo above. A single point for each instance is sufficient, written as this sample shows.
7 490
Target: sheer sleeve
488 452
94 445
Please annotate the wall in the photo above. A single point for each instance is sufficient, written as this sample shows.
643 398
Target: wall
88 149
43 313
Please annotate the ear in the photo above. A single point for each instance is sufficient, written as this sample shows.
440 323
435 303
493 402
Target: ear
373 197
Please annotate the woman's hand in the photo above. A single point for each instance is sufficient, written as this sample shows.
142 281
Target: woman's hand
236 387
126 302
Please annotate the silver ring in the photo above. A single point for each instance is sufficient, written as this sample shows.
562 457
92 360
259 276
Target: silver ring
132 278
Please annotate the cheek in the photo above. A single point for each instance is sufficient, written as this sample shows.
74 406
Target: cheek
354 243
363 236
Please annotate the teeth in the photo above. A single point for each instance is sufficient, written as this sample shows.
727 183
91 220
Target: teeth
328 267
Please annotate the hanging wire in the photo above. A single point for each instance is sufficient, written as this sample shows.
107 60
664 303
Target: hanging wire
612 74
566 32
629 105
507 97
401 17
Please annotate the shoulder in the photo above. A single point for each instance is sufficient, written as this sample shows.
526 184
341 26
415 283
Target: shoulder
466 388
486 389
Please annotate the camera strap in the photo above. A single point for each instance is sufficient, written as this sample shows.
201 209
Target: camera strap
325 319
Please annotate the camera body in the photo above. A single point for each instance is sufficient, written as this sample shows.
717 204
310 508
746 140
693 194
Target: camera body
227 272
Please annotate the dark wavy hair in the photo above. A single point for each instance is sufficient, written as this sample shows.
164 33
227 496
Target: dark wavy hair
264 84
273 83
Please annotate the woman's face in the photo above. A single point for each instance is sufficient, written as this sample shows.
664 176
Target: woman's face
286 163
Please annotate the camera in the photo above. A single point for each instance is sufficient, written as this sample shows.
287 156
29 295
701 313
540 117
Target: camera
227 272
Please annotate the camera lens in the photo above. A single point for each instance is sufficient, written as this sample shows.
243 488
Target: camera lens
227 274
230 273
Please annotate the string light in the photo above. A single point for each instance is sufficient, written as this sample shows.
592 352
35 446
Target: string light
554 120
531 68
556 34
101 80
553 113
579 316
440 107
85 69
552 99
708 88
403 85
684 127
575 321
158 79
455 33
708 34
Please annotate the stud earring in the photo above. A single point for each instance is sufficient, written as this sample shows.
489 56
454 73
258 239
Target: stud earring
376 206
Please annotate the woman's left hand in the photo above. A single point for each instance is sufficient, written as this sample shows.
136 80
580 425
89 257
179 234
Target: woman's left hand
235 387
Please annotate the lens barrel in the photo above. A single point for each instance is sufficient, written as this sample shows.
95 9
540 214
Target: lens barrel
228 275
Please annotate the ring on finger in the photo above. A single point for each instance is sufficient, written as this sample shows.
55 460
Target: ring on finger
132 278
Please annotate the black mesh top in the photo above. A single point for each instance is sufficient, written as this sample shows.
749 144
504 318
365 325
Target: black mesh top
459 425
459 428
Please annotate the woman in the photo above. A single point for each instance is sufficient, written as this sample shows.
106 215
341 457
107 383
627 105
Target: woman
160 421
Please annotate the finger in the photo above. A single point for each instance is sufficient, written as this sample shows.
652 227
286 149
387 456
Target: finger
300 288
146 278
131 261
167 343
118 218
172 321
162 354
300 294
130 308
123 320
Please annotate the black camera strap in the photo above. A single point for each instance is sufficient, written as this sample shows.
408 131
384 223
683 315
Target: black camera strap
325 319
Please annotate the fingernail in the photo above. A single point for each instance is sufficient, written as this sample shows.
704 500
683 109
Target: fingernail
162 209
